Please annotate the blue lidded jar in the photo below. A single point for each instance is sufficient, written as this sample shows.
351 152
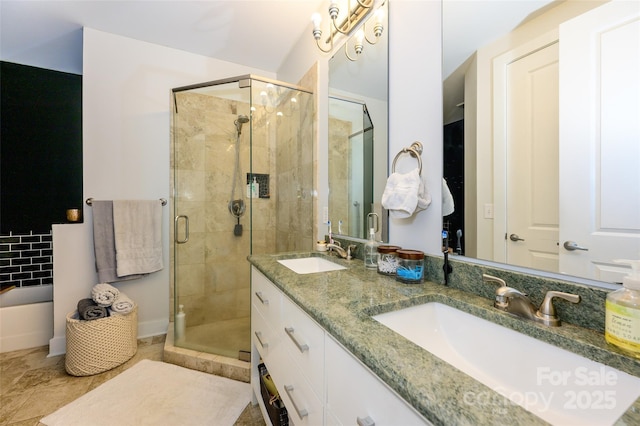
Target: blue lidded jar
410 266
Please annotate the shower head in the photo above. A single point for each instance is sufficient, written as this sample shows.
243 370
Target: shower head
240 121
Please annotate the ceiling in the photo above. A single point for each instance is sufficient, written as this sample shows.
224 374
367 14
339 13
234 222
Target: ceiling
256 33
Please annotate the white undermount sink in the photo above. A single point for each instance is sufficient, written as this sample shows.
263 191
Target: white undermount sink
310 265
559 386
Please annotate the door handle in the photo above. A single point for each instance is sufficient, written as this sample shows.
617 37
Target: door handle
572 245
515 237
186 229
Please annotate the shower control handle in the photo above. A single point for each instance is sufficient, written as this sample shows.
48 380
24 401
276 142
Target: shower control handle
302 347
186 229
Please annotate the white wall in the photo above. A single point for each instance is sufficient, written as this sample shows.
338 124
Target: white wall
415 105
126 122
415 109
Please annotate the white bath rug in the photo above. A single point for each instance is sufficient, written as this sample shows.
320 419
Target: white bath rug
157 393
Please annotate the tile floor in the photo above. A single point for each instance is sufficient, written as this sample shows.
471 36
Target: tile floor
33 386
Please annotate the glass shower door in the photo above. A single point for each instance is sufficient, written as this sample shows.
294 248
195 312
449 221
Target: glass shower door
226 135
211 157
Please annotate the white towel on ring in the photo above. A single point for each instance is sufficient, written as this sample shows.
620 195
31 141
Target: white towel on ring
122 304
448 206
104 294
405 194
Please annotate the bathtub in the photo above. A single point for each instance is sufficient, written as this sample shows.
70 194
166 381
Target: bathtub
26 318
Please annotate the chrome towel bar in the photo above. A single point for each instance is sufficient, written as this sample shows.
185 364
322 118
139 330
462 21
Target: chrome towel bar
90 201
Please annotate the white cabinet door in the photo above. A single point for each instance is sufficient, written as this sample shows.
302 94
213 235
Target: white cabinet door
600 140
356 396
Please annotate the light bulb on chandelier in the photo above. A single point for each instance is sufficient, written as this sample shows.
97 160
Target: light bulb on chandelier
354 17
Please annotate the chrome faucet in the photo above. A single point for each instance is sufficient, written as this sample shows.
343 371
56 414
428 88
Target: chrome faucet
338 249
516 303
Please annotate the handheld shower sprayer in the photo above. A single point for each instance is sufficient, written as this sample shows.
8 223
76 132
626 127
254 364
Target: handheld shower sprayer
236 203
242 119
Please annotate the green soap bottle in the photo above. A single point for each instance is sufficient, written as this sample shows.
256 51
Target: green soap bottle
622 323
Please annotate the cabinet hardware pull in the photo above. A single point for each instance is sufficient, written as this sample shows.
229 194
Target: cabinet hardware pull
365 421
301 412
259 337
261 298
301 346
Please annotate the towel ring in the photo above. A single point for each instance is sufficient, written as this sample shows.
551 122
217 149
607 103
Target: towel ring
414 150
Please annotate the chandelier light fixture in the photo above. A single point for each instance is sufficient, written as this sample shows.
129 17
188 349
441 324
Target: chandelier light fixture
356 14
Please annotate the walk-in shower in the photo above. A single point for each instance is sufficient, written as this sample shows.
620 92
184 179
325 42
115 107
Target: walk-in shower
227 133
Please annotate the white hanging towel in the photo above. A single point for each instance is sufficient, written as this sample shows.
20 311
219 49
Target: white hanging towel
448 206
137 229
405 194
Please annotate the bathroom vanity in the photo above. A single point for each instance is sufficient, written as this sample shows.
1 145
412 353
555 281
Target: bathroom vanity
333 362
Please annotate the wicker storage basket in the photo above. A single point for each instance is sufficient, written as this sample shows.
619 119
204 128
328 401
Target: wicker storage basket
100 345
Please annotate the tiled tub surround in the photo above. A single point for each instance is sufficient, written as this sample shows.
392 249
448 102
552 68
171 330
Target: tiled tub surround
343 301
26 259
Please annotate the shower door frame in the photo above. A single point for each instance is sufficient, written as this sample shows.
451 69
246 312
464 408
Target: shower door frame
244 81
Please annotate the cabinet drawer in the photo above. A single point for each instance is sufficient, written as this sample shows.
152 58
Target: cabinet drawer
264 338
354 392
303 405
303 339
266 297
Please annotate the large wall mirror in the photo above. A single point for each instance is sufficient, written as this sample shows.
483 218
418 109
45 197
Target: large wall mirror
358 143
541 106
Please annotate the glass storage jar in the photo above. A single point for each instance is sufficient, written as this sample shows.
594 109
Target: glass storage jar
410 266
387 259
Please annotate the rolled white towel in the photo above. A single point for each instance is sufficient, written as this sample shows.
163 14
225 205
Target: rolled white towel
122 304
104 294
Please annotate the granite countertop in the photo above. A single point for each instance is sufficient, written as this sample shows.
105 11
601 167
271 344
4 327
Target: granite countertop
343 302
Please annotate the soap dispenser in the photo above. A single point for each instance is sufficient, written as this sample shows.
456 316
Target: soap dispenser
180 323
622 322
371 251
253 189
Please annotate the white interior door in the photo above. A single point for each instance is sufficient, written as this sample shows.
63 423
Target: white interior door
527 143
600 140
532 160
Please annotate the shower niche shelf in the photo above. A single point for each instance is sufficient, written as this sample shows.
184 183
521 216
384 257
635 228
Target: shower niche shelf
263 181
